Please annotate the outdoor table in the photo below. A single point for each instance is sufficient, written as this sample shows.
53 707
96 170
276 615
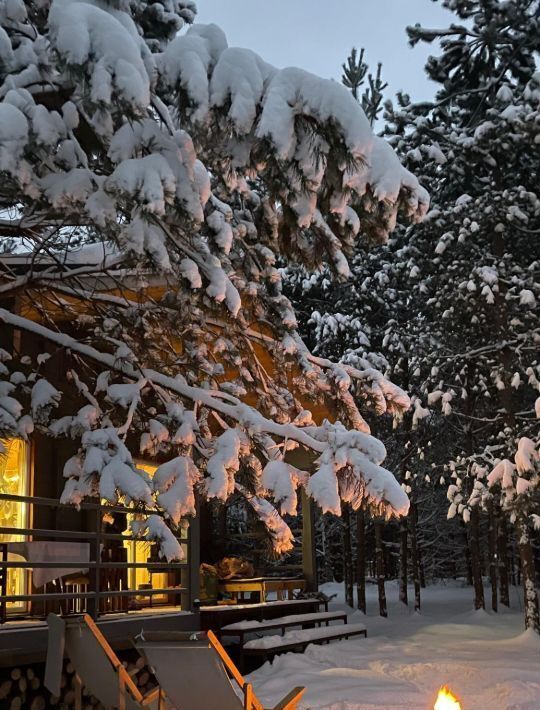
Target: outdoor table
282 586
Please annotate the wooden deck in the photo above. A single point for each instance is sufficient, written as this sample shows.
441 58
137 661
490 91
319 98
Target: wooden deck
216 617
24 642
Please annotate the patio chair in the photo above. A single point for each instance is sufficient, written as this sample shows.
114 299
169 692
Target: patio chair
196 672
97 667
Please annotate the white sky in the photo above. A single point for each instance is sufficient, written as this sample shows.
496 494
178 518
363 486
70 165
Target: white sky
317 35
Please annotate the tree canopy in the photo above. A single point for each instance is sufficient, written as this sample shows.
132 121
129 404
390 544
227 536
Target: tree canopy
152 176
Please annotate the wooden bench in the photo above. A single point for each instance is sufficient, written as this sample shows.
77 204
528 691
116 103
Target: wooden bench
269 646
241 628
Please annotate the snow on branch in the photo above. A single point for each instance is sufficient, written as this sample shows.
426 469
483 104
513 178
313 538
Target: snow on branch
154 529
105 466
153 180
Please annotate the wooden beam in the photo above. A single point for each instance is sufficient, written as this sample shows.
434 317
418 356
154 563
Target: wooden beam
194 559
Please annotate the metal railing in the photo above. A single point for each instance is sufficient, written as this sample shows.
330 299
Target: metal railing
95 599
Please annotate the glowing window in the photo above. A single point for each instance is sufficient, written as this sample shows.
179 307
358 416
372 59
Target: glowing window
14 480
140 551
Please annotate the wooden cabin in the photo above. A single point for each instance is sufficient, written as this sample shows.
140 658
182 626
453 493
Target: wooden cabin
54 557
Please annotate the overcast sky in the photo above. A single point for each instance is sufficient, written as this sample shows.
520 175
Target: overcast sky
318 34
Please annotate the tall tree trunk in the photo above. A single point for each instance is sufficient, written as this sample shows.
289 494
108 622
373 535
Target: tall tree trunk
502 558
379 556
513 566
415 562
403 561
474 522
221 537
422 569
361 561
468 563
327 548
348 568
403 541
530 597
309 551
419 552
474 544
492 542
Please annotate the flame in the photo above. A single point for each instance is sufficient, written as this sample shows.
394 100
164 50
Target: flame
446 700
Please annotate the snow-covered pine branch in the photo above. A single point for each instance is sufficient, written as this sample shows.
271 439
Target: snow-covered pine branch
152 177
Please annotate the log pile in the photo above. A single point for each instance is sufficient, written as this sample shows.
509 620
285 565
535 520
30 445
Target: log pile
22 688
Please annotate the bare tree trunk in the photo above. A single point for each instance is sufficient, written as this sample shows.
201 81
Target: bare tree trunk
403 540
415 562
502 553
403 561
419 551
474 543
492 542
328 569
474 522
220 526
530 597
361 561
514 567
379 555
422 570
348 568
468 563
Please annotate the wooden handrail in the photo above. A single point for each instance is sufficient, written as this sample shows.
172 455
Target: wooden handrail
59 596
41 532
87 564
92 594
85 505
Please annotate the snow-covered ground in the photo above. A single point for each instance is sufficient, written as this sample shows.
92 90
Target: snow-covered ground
486 659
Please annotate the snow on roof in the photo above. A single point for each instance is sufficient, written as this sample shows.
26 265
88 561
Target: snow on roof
97 254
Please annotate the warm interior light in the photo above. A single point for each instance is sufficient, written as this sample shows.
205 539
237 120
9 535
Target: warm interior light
446 700
14 480
139 551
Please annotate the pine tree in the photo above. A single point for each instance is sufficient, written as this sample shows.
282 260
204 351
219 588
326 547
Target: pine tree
148 196
447 308
355 73
478 287
359 322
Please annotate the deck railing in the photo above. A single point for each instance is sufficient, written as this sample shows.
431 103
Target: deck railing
102 572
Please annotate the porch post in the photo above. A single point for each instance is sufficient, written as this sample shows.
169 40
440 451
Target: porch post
194 556
309 558
93 605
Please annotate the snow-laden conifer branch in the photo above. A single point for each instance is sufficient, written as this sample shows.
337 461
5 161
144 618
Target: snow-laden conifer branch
152 179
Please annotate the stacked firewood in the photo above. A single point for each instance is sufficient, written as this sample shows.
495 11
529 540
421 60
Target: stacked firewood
22 688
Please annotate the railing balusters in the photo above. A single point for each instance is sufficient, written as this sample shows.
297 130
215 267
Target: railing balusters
94 572
3 582
96 598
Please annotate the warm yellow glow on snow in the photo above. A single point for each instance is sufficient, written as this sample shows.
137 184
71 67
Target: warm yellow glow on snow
446 700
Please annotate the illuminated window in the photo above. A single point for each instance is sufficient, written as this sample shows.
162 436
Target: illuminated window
140 551
14 480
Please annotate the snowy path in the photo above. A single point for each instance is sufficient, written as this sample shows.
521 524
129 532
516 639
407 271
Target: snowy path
486 659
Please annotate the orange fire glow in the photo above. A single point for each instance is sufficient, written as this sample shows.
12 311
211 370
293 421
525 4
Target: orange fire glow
446 700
